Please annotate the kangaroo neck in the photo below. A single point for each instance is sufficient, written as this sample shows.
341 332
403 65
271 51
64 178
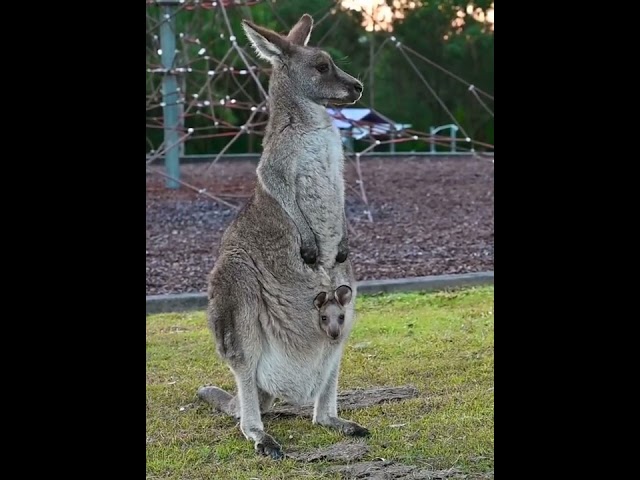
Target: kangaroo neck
290 111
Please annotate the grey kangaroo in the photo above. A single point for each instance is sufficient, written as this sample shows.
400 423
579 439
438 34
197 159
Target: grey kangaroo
288 243
331 310
303 155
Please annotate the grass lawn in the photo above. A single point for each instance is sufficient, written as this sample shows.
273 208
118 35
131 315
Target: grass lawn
442 343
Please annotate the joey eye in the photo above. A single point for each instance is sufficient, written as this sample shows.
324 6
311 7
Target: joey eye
341 318
324 318
323 67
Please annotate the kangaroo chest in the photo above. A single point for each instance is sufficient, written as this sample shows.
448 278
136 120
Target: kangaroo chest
324 157
320 187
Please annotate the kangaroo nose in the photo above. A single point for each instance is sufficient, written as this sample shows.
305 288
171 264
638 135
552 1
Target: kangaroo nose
358 87
334 334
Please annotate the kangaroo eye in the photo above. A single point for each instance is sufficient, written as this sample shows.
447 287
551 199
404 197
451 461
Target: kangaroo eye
341 317
323 67
324 318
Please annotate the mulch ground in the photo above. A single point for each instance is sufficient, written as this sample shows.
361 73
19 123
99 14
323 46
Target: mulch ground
430 217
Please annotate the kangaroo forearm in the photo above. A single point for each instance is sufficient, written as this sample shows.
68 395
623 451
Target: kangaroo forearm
345 230
343 246
283 190
298 217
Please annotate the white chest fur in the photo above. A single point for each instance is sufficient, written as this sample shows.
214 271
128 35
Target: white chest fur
296 378
320 184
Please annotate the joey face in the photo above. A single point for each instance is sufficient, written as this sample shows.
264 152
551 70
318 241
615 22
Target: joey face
331 309
332 319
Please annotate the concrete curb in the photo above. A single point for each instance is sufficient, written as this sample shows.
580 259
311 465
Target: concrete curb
183 302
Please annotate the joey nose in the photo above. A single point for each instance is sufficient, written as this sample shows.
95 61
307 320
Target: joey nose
358 87
334 334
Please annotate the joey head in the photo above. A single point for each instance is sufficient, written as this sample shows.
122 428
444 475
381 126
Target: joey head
331 310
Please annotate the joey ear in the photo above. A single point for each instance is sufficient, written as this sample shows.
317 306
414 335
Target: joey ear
268 44
343 294
301 31
320 300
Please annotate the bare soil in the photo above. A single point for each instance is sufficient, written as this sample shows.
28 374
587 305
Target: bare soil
387 470
430 217
347 400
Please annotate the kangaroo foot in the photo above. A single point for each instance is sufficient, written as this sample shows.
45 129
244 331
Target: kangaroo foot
345 426
267 446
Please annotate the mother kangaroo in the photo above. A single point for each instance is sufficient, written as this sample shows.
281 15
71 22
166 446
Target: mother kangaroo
285 246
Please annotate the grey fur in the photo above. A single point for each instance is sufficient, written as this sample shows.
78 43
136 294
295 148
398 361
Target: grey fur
288 243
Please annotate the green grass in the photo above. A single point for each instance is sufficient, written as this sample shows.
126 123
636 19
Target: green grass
442 343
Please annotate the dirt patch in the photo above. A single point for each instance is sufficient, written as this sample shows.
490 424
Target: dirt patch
378 469
386 470
338 452
347 400
431 217
352 400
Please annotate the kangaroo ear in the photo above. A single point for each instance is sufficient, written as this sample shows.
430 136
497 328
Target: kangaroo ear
320 300
343 294
268 44
301 31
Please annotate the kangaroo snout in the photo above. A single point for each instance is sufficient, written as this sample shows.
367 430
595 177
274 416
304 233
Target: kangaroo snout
355 91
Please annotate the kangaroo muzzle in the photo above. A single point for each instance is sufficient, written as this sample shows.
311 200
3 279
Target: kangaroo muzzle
334 331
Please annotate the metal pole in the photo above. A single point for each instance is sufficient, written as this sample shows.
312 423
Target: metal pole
181 129
371 70
454 134
432 143
170 93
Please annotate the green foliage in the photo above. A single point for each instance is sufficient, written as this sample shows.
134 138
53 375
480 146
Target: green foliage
399 93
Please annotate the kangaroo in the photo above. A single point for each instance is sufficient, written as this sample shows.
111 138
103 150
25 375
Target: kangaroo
302 160
331 310
287 243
